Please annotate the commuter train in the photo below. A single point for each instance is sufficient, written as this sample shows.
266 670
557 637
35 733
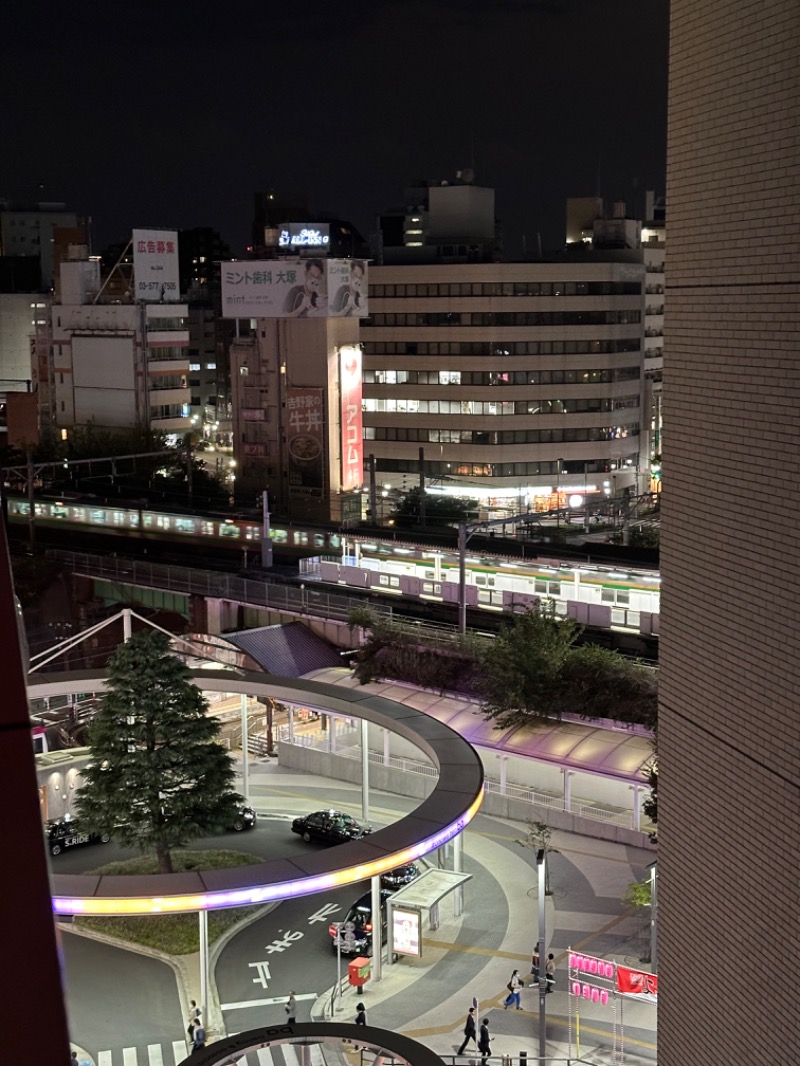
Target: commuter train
601 596
598 596
125 520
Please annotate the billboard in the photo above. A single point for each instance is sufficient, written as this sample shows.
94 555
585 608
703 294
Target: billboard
305 438
295 288
406 939
155 265
352 443
305 235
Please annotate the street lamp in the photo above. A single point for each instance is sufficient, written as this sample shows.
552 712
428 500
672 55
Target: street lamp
541 870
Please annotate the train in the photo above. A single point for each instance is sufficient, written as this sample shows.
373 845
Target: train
602 595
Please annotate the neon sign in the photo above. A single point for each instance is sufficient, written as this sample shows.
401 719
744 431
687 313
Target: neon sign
294 235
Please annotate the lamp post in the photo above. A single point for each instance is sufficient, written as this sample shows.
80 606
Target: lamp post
558 492
541 870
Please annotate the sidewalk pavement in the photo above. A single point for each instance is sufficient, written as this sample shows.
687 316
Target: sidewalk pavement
472 956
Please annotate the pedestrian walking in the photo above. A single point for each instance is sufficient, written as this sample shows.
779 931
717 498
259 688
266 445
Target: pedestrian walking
484 1045
360 1019
469 1030
291 1009
535 966
550 973
513 986
198 1035
194 1016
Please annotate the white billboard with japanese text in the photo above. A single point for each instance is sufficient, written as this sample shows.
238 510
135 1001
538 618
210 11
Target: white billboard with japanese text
295 288
155 265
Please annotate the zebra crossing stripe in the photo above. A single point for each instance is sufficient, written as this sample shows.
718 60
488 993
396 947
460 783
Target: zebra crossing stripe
104 1058
154 1054
129 1056
179 1050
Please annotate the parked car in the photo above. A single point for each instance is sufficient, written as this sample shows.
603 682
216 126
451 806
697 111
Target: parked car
354 934
329 827
245 819
62 833
400 876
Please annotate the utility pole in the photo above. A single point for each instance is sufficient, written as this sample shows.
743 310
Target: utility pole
189 471
373 491
31 501
422 487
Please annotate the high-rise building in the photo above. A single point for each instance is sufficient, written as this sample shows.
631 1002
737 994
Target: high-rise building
729 720
522 382
28 230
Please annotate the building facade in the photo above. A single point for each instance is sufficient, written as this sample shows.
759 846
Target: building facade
28 230
729 718
288 380
114 364
522 382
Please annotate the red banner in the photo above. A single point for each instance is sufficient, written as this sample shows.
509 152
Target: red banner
352 433
636 982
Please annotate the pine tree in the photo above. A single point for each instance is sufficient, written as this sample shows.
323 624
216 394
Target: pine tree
158 777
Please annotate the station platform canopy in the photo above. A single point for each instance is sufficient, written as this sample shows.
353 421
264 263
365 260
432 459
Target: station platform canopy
617 752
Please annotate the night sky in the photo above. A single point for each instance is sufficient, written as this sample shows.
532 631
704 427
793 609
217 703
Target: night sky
173 114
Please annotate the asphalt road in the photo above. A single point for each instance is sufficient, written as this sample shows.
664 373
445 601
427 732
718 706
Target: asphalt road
118 999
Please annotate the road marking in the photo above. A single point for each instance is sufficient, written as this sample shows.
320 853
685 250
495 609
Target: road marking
265 1002
104 1058
180 1050
154 1054
129 1056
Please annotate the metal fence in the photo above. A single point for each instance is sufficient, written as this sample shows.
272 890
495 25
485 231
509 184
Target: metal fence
264 592
348 750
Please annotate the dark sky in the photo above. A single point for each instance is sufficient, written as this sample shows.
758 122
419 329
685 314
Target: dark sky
172 114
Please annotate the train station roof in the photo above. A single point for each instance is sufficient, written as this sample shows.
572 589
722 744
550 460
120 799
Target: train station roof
608 750
290 650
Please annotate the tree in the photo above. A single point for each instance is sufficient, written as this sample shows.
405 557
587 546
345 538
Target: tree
604 684
158 776
520 671
439 510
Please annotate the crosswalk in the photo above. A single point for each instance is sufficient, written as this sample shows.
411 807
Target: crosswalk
178 1050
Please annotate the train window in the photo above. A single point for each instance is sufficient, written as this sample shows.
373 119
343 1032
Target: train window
132 519
98 518
429 573
383 579
334 540
118 518
394 582
279 536
617 596
58 510
163 521
319 540
484 597
184 525
550 588
207 529
427 586
300 536
147 520
228 530
252 532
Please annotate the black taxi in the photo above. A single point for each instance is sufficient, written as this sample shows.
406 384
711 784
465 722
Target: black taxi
62 833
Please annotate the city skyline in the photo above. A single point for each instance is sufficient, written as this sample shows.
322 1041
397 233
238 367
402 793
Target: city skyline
544 100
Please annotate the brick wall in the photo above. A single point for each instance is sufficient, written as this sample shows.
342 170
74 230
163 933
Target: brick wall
729 856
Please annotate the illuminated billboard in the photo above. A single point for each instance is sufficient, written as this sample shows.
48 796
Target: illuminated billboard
305 235
406 931
295 288
155 265
352 444
305 438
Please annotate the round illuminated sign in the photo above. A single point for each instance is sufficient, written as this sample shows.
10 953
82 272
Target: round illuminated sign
575 500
